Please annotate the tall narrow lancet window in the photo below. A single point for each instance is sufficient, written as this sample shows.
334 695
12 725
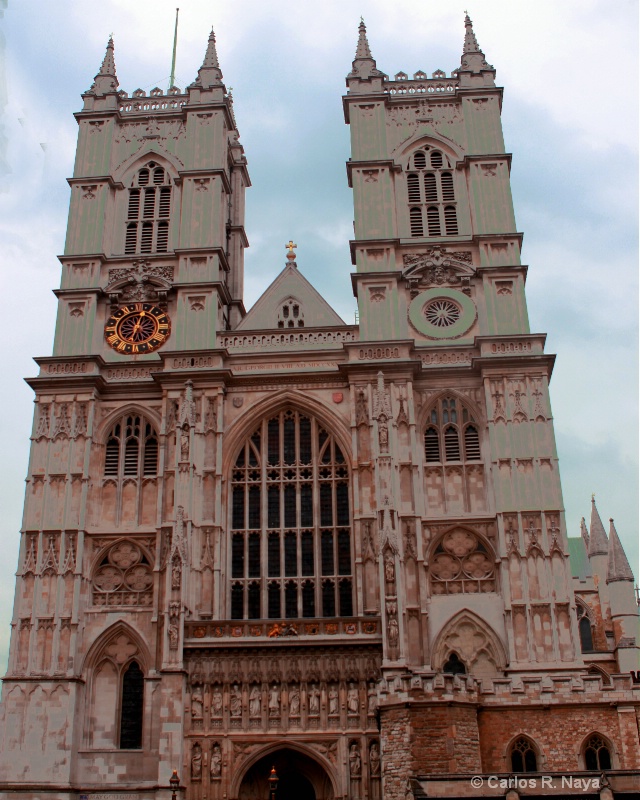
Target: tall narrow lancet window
131 705
290 548
148 211
431 194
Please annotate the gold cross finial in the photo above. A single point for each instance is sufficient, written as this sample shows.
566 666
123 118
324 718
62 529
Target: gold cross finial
291 256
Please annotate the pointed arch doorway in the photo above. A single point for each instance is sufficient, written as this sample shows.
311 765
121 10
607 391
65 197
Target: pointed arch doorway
300 777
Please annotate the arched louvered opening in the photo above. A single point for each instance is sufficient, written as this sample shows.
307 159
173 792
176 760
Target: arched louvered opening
446 181
148 211
432 445
112 455
523 756
450 220
290 523
132 704
452 443
415 215
433 220
454 474
597 755
413 187
439 189
132 448
471 443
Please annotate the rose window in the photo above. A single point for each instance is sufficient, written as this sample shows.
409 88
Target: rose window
123 577
442 312
461 563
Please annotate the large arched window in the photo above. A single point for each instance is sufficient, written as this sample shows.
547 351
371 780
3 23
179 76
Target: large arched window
431 194
523 755
454 474
148 211
290 523
129 485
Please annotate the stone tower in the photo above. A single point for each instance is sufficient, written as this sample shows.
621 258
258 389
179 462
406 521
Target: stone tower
271 540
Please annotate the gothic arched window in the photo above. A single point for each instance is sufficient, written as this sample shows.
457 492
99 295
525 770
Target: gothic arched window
431 194
523 756
148 211
451 433
585 629
453 665
129 486
290 520
597 755
131 706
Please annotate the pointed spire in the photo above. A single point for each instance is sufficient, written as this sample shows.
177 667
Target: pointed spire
618 568
362 50
584 533
106 80
364 64
473 59
209 73
470 42
598 544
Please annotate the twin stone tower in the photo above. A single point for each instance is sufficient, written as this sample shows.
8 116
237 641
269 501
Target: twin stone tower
269 540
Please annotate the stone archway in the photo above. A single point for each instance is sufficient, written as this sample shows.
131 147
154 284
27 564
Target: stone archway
300 778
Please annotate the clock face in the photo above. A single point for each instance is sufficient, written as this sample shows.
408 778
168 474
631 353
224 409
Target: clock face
137 328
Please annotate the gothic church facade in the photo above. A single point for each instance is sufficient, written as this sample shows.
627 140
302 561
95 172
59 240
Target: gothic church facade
271 540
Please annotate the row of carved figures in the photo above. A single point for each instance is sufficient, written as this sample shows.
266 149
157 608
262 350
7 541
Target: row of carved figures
271 697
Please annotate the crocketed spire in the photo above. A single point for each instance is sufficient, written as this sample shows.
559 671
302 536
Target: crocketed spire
364 65
618 568
209 73
362 50
473 59
584 533
106 79
598 544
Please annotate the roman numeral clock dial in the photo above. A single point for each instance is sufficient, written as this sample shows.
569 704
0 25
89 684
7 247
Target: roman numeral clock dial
137 328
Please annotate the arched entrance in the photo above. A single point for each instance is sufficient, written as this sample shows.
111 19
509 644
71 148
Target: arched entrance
300 778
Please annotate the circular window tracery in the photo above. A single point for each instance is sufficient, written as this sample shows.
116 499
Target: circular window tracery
123 577
442 312
461 564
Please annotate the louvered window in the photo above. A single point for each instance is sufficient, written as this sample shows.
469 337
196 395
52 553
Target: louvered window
429 191
450 425
132 448
290 547
148 211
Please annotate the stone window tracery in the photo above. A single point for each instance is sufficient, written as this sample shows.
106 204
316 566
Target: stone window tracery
597 755
451 432
132 448
291 314
431 194
290 549
148 211
123 577
462 564
523 756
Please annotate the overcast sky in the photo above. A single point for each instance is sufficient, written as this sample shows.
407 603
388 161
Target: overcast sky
569 70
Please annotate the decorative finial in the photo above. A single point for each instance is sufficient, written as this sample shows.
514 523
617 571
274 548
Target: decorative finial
209 74
593 497
362 49
291 256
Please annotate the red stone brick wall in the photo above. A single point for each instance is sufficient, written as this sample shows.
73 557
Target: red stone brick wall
558 732
445 739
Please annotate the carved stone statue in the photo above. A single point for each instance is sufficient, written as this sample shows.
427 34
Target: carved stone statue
274 701
216 702
184 443
255 701
393 631
294 701
216 761
353 701
314 700
333 700
372 700
235 701
389 567
173 637
196 762
197 702
355 762
176 574
374 759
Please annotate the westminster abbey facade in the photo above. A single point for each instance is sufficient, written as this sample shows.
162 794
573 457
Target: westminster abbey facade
267 542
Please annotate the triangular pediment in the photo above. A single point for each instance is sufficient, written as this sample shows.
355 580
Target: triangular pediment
290 302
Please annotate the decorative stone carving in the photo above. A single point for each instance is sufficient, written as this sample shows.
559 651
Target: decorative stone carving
461 563
353 699
362 409
274 701
333 700
294 700
197 703
216 701
62 424
235 701
142 282
196 762
123 577
314 700
355 761
475 644
216 761
372 699
374 760
255 701
437 267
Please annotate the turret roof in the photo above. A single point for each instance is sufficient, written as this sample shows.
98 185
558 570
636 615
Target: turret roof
618 568
598 543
